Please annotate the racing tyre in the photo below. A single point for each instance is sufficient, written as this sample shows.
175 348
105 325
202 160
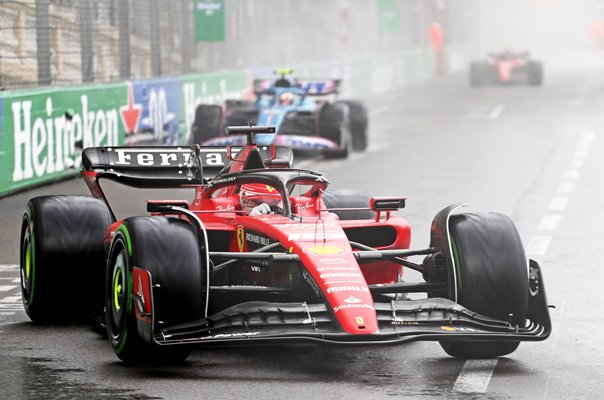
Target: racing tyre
169 250
334 124
358 124
477 77
207 123
349 199
492 277
62 260
535 73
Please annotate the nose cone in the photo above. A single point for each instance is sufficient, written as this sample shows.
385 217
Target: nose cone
265 139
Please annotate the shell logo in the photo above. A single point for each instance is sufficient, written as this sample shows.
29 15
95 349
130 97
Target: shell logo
448 328
322 250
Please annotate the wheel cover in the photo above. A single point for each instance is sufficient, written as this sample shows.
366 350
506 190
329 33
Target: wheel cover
27 265
118 297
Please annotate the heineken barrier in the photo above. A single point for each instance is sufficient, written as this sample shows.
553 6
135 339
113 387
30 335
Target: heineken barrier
39 129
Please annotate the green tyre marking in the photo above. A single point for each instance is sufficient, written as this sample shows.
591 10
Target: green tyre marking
31 275
457 263
127 279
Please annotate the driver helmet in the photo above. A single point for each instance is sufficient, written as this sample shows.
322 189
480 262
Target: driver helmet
286 98
254 194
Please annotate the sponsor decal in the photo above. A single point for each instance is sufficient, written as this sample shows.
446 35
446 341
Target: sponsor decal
333 260
231 335
224 180
359 320
229 207
348 289
403 322
240 238
257 239
311 282
457 329
323 269
341 275
352 306
321 249
352 299
44 139
313 235
305 206
131 112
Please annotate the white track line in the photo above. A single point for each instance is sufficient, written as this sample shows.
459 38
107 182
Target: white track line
496 111
8 267
558 203
475 376
537 245
565 187
7 288
549 222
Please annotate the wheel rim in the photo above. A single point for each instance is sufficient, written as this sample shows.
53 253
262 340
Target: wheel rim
27 269
118 296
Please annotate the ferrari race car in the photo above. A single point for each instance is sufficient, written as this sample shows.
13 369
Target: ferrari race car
316 266
306 113
506 68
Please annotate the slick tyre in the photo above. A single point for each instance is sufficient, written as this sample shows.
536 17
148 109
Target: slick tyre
334 124
349 199
207 123
359 122
535 74
477 74
492 277
169 250
62 260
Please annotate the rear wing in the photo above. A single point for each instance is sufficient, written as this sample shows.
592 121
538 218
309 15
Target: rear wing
312 87
170 166
155 166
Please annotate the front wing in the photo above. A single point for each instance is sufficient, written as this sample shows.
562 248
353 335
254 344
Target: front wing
432 319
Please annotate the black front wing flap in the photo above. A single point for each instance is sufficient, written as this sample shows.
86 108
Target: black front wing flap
398 321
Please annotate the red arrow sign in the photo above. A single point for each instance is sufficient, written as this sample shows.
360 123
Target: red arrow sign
130 113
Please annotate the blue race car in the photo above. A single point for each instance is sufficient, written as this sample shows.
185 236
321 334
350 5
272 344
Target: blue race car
306 113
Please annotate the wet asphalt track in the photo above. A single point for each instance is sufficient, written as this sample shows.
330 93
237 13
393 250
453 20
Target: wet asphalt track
532 153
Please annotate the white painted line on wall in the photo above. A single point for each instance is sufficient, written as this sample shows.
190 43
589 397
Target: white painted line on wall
8 267
6 288
6 313
496 111
549 222
475 376
581 154
537 245
558 203
16 280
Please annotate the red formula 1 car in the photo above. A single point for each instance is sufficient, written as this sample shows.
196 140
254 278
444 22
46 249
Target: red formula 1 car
263 254
506 68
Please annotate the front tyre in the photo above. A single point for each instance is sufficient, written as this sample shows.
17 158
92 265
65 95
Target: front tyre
168 249
492 277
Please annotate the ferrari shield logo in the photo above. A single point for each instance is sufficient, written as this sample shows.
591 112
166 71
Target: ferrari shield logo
240 238
360 320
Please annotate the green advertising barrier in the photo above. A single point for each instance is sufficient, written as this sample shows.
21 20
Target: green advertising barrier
38 139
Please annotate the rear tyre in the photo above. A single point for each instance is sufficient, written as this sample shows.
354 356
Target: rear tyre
535 73
492 277
477 74
207 123
358 124
62 260
334 124
349 199
169 250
